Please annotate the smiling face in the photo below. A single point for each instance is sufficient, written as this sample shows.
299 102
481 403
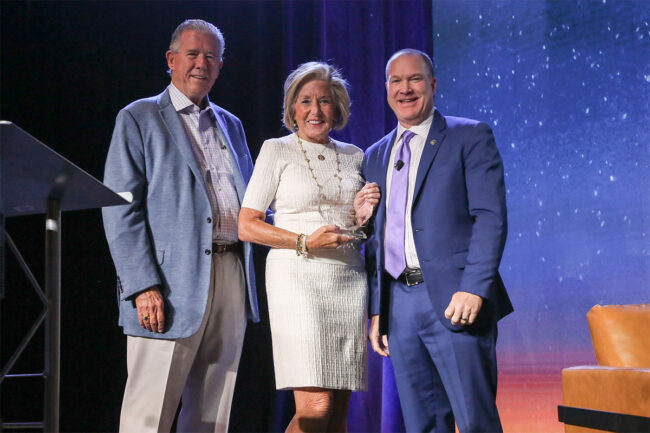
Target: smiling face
315 111
196 65
410 89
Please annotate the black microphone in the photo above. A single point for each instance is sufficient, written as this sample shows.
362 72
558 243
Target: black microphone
399 164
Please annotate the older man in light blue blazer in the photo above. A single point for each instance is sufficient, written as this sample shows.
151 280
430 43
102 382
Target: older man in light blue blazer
185 282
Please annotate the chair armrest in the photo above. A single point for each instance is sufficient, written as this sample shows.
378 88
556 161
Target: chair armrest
611 389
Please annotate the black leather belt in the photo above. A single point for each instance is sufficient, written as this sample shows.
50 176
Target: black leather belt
225 248
411 276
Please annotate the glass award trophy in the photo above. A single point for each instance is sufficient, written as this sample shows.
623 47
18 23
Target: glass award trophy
342 215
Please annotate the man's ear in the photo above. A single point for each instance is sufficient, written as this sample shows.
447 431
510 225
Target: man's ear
169 55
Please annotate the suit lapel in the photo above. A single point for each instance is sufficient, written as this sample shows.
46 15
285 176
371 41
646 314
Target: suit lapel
384 153
240 185
431 147
382 170
177 131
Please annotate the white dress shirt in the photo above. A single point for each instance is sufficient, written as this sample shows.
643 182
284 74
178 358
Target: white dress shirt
209 147
416 145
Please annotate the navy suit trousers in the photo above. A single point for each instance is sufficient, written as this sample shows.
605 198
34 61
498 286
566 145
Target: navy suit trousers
442 376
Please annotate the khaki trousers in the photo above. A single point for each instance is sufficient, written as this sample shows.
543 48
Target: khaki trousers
199 370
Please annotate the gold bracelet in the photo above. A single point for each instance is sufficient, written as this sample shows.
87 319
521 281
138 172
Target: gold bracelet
304 245
299 244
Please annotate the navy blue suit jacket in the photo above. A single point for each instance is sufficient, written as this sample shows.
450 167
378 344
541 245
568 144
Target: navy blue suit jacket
458 218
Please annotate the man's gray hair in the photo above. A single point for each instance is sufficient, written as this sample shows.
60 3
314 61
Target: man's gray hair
198 26
425 58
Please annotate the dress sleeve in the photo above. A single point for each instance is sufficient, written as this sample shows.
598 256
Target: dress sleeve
263 185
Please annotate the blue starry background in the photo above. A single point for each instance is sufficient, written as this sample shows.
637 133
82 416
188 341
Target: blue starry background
565 86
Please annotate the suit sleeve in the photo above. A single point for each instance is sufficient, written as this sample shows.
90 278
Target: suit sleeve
370 250
487 207
126 226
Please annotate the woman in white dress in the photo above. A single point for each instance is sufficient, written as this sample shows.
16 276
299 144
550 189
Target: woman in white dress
315 278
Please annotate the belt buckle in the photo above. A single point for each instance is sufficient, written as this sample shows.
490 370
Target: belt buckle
411 277
219 248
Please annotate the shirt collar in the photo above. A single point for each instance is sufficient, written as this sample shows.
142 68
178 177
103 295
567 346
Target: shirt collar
420 130
182 102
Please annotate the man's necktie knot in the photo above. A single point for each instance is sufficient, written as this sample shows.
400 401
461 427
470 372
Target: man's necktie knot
406 137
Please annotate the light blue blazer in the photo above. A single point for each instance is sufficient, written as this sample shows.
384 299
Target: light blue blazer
164 236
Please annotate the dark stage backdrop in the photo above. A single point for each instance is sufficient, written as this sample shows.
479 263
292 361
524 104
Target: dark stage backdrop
68 67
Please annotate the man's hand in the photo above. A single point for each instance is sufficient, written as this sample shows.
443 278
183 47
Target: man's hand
379 342
151 307
463 308
365 202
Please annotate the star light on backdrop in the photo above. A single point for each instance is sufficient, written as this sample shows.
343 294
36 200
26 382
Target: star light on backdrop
566 89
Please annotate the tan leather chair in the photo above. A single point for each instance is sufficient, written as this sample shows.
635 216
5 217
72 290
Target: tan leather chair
615 394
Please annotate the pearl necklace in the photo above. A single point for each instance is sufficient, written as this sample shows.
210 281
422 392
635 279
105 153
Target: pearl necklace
337 175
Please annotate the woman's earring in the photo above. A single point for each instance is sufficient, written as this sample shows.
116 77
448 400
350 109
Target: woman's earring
295 125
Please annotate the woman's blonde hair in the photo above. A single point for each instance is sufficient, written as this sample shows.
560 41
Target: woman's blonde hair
316 71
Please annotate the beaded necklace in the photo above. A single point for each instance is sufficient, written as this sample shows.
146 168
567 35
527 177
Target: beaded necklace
337 175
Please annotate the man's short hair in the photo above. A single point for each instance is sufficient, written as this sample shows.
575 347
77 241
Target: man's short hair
425 58
198 26
311 71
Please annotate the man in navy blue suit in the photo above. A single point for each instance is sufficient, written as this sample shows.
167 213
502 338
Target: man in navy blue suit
433 256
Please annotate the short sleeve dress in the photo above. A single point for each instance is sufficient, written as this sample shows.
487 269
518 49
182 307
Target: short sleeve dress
317 303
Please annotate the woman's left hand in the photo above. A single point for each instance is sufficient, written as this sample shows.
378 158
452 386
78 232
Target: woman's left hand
365 202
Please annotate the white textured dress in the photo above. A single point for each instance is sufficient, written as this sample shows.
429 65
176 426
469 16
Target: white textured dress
317 304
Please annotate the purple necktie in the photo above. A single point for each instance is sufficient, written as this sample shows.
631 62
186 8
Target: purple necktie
395 261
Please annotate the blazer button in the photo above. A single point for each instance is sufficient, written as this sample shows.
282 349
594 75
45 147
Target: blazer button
209 220
207 252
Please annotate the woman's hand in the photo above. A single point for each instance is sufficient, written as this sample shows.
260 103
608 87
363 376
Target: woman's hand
326 237
365 202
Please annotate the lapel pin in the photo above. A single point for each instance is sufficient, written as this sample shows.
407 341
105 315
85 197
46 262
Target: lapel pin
432 142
